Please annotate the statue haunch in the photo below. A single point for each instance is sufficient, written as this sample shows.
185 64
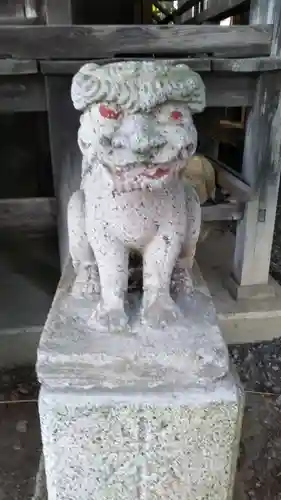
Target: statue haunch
136 134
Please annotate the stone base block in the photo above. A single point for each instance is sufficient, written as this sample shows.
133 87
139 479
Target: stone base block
141 446
153 415
244 292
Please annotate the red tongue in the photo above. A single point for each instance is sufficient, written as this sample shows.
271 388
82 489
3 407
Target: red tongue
159 173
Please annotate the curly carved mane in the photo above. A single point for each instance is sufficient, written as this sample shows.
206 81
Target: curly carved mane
137 85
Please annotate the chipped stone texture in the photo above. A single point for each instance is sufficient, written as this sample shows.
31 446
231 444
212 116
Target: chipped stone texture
136 135
147 446
72 354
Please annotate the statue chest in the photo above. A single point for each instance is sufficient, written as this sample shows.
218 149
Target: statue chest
136 216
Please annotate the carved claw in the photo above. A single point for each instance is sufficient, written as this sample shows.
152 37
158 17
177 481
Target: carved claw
114 320
163 311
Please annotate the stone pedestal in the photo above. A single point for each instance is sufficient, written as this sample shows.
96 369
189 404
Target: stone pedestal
155 415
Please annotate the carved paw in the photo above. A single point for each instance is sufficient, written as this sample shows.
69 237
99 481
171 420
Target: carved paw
86 283
163 311
113 320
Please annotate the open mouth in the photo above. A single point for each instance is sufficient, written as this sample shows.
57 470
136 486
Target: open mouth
157 173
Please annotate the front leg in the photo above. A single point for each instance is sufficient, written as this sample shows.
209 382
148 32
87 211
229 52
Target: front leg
86 283
159 259
181 279
112 260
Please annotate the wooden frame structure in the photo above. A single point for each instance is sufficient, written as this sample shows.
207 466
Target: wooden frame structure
240 65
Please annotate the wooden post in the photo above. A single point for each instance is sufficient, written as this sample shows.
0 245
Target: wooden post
62 129
66 157
261 168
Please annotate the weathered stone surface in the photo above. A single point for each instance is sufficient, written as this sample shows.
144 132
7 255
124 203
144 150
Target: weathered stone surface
141 446
136 136
191 354
135 417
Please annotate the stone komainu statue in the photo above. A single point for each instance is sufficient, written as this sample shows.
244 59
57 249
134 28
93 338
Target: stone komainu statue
136 135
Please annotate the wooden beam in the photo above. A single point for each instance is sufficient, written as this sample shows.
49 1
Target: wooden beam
17 67
231 181
220 9
34 214
229 91
22 93
222 211
247 65
201 64
87 42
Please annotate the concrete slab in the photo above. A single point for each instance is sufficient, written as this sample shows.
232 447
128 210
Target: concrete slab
245 320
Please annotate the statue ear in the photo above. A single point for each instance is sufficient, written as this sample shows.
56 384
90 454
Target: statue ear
81 86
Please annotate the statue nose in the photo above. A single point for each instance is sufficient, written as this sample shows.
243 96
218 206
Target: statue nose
138 134
143 143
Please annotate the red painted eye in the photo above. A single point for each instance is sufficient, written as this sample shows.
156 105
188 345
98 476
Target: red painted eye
176 115
106 112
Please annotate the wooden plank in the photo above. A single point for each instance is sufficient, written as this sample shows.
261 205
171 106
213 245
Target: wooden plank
247 65
218 10
6 21
22 93
37 214
222 211
83 42
58 12
229 91
261 165
17 67
71 67
230 180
